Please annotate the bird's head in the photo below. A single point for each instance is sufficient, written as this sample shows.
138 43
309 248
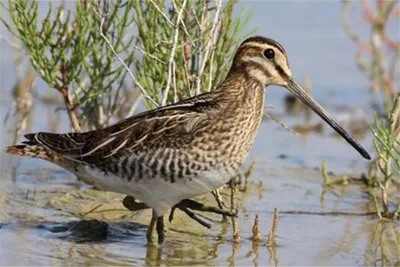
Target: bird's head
266 61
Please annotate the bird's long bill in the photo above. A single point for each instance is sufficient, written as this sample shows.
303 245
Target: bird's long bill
310 102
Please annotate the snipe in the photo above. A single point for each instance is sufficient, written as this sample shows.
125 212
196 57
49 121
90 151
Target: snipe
164 156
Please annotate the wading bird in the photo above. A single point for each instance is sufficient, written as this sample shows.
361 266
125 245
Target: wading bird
165 156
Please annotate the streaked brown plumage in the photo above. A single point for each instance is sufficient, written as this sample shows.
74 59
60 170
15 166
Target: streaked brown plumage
185 149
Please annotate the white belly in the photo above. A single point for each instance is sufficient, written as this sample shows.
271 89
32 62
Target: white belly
157 193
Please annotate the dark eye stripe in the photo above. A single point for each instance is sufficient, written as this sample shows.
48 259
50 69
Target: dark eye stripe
281 72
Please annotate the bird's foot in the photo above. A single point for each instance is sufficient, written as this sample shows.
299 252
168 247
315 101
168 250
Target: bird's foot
194 205
189 213
187 204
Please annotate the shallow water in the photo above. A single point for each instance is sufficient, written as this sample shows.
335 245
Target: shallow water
43 218
42 224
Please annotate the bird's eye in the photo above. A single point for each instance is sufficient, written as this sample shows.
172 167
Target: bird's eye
269 53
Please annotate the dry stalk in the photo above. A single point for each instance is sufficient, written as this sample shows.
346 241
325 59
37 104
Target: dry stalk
220 202
186 58
213 36
69 102
214 41
282 124
142 90
271 240
171 61
247 175
234 209
199 52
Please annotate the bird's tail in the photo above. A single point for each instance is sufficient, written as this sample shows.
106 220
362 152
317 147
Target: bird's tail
32 151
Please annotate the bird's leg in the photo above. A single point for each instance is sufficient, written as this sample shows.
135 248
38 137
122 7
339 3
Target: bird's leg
194 205
130 203
160 229
150 229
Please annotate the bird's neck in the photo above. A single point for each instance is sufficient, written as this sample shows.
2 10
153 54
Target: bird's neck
241 93
241 104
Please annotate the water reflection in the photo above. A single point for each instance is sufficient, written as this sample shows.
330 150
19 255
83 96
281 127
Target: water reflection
153 255
383 248
273 256
339 193
254 252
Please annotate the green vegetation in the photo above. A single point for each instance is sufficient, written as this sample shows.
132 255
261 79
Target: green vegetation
378 59
386 165
175 51
384 170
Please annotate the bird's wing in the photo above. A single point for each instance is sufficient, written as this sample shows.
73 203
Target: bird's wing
171 126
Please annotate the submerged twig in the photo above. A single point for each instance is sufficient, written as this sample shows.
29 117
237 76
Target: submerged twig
247 175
